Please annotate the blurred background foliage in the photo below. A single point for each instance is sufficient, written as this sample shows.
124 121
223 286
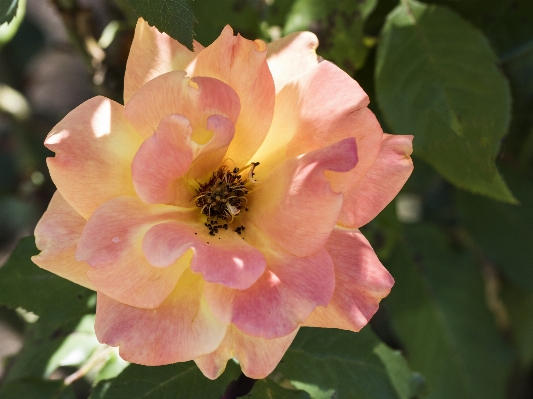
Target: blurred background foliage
458 239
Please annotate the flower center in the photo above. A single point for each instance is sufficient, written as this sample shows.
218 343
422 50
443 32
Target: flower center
224 196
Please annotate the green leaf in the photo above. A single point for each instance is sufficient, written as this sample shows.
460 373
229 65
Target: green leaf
438 310
24 284
503 232
60 304
48 346
507 25
246 21
173 17
437 78
180 380
349 365
32 388
266 389
8 10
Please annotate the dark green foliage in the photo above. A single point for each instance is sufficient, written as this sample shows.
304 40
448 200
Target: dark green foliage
443 86
438 310
349 365
173 17
176 381
8 10
508 25
33 388
47 345
264 389
24 284
339 26
486 220
60 306
239 14
519 304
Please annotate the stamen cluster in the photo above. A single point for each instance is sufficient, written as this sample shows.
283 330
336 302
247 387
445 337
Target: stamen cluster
222 197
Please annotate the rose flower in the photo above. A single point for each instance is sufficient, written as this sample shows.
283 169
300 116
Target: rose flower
218 210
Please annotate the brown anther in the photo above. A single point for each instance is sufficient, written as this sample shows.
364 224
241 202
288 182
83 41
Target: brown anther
222 197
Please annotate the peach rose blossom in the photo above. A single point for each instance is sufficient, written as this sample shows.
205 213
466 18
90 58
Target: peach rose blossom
218 210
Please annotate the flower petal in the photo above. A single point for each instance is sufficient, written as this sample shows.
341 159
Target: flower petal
225 258
111 243
180 329
242 64
174 93
56 236
283 297
291 56
257 356
167 156
153 53
381 184
295 205
320 107
94 146
361 282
